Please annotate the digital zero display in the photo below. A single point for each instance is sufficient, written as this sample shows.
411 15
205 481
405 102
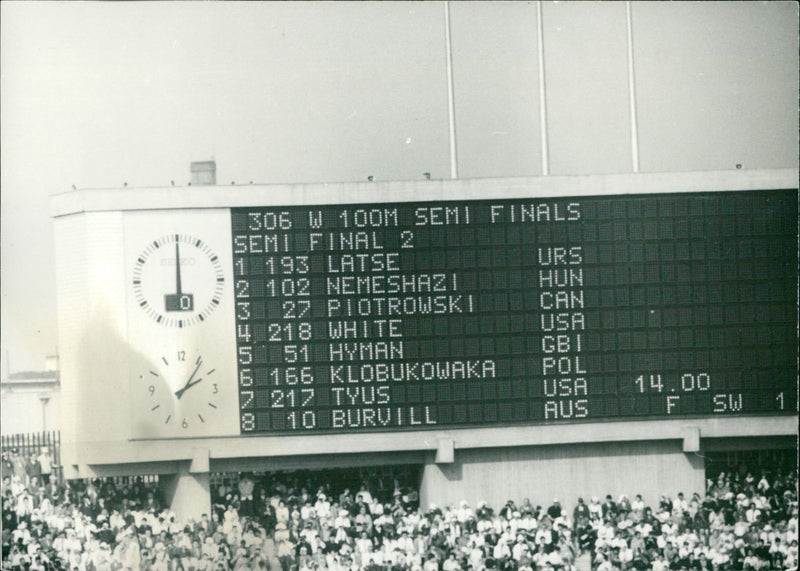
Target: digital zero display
516 311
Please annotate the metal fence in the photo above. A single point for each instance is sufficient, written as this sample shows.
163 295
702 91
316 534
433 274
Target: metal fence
32 444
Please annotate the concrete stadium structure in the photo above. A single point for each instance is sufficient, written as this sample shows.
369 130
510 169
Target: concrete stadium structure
107 341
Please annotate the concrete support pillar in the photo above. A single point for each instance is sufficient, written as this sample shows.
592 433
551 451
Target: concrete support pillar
445 451
187 493
691 439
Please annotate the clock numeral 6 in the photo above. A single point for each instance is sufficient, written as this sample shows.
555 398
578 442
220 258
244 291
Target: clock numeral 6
185 423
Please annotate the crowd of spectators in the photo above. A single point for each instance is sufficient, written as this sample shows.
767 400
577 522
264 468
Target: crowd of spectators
298 521
742 523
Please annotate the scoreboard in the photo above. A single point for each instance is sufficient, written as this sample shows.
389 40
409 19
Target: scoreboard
414 315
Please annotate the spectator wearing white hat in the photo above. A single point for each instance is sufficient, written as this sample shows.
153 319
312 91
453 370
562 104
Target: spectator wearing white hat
595 508
323 506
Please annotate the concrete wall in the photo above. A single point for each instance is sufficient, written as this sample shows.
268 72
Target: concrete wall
99 233
72 294
566 472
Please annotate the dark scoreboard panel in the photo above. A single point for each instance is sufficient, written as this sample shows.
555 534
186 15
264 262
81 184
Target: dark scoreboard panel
495 312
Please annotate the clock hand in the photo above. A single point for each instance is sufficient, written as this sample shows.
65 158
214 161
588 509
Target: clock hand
189 383
178 301
179 393
178 269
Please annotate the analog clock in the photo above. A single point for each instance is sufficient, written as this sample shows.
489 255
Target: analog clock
178 280
180 389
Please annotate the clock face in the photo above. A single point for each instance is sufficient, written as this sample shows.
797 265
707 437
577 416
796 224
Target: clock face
181 391
178 280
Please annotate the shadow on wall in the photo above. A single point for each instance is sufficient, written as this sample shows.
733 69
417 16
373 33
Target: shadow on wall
454 471
101 391
106 407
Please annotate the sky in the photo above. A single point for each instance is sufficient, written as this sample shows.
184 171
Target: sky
99 94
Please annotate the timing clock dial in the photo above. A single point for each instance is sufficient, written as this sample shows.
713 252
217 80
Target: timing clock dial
181 390
178 280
